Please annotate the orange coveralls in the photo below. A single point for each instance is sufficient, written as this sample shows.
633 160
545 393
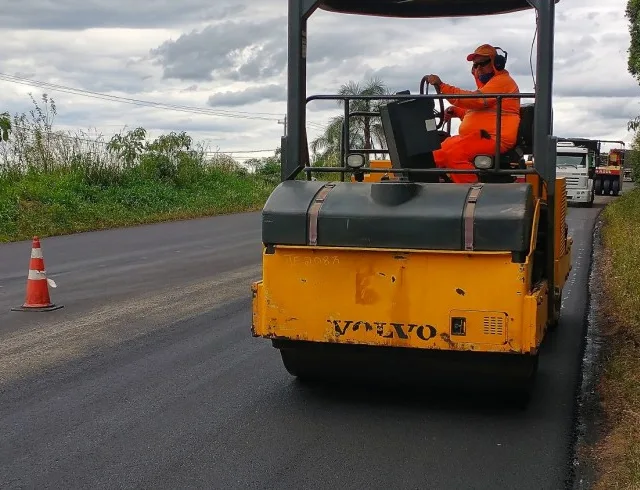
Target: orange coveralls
476 114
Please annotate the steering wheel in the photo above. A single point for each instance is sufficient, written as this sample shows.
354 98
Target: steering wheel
438 115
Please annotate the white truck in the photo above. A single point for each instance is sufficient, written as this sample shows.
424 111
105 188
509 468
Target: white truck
574 160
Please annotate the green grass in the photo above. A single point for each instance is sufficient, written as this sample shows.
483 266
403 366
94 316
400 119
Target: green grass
618 453
62 202
54 182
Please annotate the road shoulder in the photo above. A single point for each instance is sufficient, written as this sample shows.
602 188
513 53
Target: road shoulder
608 449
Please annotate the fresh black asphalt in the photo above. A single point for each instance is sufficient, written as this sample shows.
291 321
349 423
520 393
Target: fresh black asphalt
149 377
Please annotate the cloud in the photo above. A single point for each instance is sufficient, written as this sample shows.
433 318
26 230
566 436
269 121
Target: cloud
87 14
235 50
252 95
228 59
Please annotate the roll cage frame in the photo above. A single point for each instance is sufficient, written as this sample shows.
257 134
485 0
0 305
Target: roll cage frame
295 151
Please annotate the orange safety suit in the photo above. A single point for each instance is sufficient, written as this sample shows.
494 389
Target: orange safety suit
476 115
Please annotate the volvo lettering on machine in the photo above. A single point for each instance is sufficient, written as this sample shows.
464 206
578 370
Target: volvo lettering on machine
575 162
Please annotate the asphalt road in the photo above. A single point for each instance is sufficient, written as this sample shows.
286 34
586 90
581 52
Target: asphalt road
149 377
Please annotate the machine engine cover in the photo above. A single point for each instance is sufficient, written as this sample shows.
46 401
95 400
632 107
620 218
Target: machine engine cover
400 215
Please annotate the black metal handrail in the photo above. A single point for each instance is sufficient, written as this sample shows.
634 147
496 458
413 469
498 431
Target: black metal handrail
423 170
345 146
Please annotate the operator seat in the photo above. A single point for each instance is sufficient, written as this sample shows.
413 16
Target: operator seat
523 146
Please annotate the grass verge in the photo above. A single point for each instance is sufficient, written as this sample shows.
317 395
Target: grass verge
63 202
617 454
54 183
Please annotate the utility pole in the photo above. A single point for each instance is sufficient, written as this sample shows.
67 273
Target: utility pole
284 122
282 142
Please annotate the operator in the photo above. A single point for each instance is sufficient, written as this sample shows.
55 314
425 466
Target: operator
477 132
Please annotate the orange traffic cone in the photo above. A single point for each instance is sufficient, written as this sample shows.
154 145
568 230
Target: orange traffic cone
37 298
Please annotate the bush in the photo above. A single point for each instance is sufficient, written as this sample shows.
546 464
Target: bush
54 182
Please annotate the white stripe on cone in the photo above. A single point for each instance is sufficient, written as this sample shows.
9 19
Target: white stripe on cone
41 276
36 253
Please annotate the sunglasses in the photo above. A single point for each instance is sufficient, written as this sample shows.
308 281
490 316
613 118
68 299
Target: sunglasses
481 63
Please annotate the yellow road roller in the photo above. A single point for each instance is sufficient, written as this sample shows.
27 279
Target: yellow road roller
411 275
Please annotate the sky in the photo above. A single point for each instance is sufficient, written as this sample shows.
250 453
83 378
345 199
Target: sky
225 60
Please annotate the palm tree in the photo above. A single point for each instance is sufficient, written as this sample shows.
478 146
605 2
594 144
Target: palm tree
364 132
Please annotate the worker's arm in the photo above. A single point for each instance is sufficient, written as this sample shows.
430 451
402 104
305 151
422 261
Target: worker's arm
452 110
456 111
494 86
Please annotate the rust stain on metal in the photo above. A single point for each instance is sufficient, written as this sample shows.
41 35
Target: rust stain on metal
445 337
453 346
365 292
401 303
460 291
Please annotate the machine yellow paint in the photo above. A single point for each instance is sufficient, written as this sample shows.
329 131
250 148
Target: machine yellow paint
408 298
327 306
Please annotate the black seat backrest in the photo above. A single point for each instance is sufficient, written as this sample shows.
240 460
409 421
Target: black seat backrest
525 129
524 145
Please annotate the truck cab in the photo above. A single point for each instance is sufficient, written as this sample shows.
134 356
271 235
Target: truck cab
574 162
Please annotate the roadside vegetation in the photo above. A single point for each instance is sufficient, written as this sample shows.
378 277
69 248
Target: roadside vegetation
617 453
55 182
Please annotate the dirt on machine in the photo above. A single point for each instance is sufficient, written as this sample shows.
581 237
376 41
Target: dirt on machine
395 273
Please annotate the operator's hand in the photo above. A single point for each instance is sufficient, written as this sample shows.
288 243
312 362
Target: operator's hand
448 113
434 80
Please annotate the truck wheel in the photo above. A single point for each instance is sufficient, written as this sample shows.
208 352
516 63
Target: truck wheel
616 187
607 187
598 186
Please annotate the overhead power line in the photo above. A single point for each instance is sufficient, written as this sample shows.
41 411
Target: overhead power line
139 102
248 151
145 103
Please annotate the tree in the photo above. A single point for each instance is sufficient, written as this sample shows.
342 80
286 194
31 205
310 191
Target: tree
364 132
632 13
634 156
268 167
